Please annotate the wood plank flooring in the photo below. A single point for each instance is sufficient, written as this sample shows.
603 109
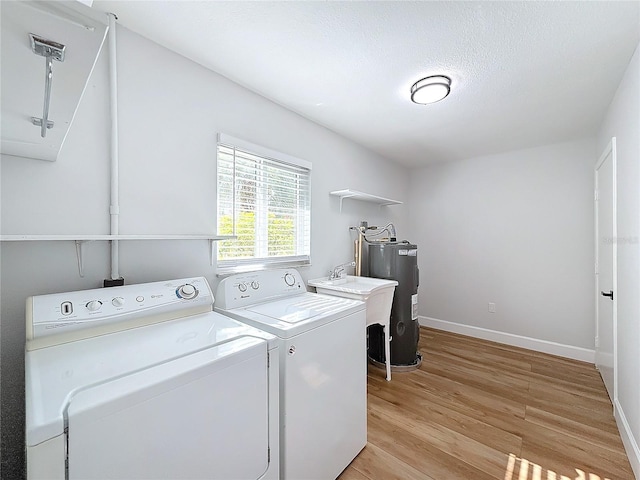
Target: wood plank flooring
479 410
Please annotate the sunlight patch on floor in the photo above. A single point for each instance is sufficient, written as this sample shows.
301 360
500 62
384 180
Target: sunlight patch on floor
523 469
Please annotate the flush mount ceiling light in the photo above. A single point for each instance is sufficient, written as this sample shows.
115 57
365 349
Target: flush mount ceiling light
430 89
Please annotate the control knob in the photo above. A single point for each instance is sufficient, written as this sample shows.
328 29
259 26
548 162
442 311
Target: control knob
94 305
242 287
117 301
289 279
255 285
187 291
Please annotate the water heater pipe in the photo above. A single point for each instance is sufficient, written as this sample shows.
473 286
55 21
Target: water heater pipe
114 208
359 255
358 247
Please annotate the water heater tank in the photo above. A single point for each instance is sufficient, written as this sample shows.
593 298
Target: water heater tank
397 261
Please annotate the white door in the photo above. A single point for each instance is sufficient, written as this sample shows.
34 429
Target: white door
202 416
605 198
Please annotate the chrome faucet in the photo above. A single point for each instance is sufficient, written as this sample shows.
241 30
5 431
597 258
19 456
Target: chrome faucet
338 271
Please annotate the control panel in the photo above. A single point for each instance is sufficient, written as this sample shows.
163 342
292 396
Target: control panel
115 307
243 289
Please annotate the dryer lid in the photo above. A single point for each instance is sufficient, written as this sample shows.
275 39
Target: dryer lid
200 416
54 375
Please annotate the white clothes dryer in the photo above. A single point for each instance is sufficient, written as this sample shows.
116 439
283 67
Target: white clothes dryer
146 381
323 369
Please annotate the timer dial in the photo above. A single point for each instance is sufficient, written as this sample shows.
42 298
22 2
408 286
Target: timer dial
255 285
289 279
242 287
117 301
94 305
187 291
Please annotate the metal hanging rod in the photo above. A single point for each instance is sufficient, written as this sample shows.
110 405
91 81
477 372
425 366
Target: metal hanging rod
51 51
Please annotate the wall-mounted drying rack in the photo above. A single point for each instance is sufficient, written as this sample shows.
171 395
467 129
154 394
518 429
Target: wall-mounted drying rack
365 197
80 240
51 51
55 30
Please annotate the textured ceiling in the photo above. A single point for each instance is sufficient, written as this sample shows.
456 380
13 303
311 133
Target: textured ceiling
523 73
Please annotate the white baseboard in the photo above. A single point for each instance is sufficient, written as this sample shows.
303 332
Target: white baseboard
544 346
629 441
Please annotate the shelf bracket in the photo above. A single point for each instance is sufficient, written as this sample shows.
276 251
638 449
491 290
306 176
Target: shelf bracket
342 198
79 256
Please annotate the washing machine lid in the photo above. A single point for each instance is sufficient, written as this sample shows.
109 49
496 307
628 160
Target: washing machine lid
297 309
295 314
54 375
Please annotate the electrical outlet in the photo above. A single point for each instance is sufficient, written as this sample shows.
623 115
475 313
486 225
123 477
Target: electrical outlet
492 307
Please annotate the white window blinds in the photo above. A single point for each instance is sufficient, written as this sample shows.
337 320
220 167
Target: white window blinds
264 199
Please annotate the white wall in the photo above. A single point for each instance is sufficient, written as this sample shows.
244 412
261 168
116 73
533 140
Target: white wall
623 122
515 229
170 112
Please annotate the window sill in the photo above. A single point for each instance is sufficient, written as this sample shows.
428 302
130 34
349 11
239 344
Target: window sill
225 271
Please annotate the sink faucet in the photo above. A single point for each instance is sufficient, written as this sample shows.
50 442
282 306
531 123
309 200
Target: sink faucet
338 271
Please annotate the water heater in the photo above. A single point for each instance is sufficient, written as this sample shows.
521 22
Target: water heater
396 261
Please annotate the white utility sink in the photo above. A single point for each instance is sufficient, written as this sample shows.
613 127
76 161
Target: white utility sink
353 284
377 293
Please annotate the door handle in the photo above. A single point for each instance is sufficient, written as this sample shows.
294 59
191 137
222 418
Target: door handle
605 294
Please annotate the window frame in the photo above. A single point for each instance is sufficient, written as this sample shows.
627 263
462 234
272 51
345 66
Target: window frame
225 267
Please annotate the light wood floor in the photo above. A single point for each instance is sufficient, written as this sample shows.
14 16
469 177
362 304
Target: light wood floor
479 410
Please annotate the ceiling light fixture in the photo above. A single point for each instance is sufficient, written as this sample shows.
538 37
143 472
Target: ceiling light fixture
430 89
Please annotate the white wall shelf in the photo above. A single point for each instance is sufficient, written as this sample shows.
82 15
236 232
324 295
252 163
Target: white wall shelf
88 238
81 239
364 197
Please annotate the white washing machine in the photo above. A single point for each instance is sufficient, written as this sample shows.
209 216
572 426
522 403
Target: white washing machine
146 381
323 370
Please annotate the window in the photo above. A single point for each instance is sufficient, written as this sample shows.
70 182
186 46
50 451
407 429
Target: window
264 199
